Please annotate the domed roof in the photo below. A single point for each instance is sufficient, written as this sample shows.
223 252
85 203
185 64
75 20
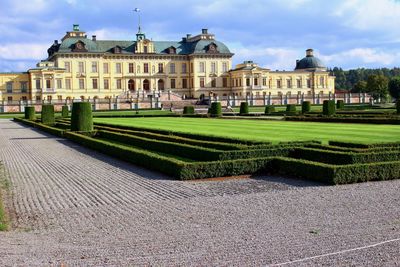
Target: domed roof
310 62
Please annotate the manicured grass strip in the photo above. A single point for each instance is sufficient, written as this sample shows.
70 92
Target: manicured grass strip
267 131
187 134
3 187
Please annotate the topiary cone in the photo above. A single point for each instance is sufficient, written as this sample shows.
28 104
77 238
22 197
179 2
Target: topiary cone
81 117
64 112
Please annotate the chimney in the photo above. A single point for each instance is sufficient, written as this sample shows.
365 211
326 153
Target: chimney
204 31
309 52
94 38
55 42
188 36
184 39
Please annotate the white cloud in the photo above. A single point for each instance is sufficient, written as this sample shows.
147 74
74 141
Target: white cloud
29 7
363 55
23 51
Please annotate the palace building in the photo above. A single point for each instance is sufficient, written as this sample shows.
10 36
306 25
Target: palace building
79 67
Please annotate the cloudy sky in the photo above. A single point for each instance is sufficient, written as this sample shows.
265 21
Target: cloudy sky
274 33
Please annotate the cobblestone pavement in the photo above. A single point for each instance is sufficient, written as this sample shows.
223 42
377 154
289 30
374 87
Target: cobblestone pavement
73 207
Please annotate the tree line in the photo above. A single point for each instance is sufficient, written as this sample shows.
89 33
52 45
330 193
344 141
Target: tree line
380 83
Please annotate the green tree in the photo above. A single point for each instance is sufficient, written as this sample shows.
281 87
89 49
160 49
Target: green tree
377 86
360 87
394 87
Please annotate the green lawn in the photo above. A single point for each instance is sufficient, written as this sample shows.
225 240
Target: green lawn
264 130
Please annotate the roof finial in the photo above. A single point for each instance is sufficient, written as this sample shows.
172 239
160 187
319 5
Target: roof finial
138 11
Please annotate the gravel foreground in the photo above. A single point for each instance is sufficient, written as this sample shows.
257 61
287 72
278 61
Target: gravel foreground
71 206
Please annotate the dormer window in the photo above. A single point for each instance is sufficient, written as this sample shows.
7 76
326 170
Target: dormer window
212 48
117 50
79 47
171 50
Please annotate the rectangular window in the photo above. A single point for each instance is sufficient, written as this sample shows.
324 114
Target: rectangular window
308 83
172 68
160 68
214 82
81 84
289 83
247 82
59 83
191 68
321 81
146 67
131 68
240 82
118 68
224 67
201 67
173 84
9 86
24 98
81 67
184 83
119 84
264 81
298 83
38 84
38 98
24 87
213 67
105 67
184 70
202 83
279 83
9 99
106 84
256 81
145 50
224 82
94 84
48 84
67 84
94 67
67 66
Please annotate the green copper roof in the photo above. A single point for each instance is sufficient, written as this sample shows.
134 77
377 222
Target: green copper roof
128 47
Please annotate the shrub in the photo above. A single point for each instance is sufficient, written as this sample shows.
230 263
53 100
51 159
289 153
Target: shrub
188 110
290 108
216 110
244 108
48 114
269 109
81 117
305 107
340 104
398 106
328 108
64 112
30 113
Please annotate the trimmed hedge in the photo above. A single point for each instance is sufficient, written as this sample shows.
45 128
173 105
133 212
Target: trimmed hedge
290 108
328 107
81 117
43 127
340 104
47 115
188 110
269 109
64 111
215 109
244 108
398 106
359 145
30 113
342 158
332 174
374 120
305 107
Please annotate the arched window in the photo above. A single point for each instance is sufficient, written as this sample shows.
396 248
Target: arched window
131 85
160 85
146 85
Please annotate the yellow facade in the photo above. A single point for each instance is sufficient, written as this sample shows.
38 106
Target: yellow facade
197 66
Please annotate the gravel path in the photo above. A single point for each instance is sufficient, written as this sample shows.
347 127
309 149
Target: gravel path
74 207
